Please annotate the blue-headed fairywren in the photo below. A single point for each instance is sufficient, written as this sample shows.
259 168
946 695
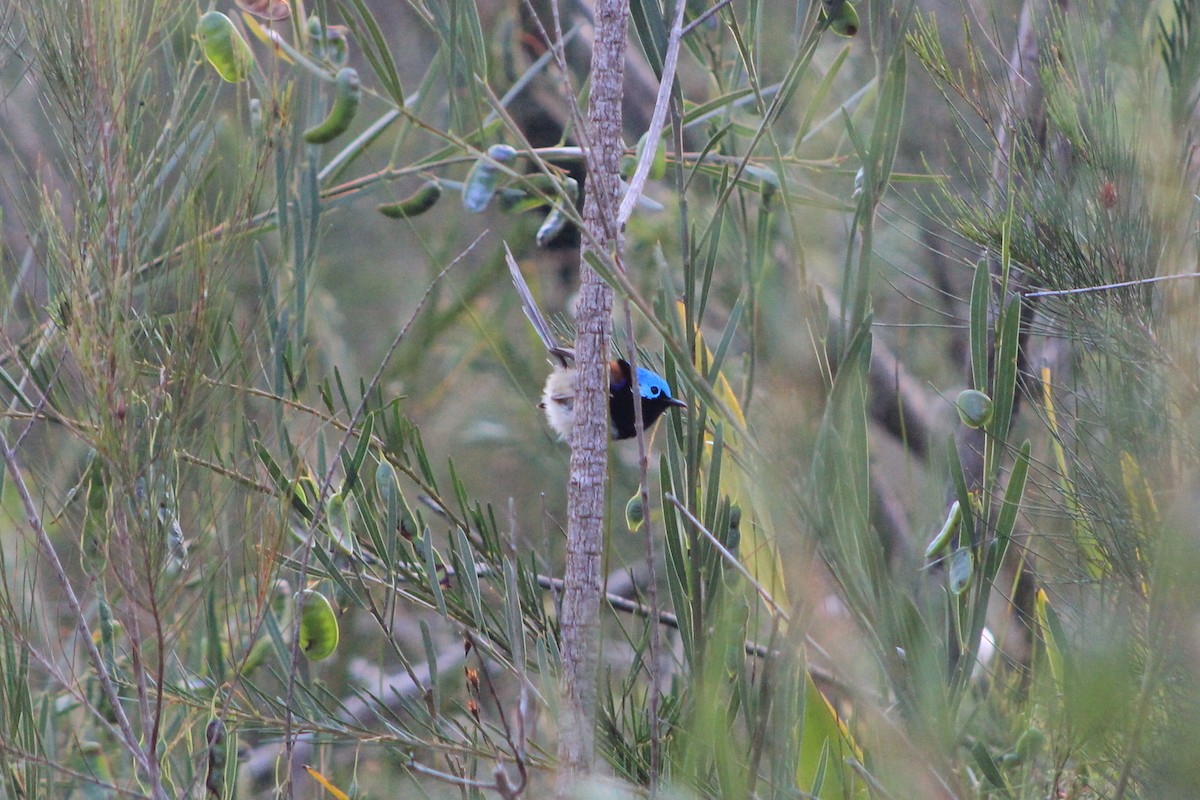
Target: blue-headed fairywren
558 397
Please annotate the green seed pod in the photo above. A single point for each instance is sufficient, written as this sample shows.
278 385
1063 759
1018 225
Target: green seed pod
340 529
347 92
974 408
658 167
962 570
484 177
628 165
218 755
555 221
1030 744
843 19
939 542
635 513
256 116
735 516
224 47
337 45
318 625
414 205
257 655
328 41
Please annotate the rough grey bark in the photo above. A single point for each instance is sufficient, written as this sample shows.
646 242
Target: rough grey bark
580 619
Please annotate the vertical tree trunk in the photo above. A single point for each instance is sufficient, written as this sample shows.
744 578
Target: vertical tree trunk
589 439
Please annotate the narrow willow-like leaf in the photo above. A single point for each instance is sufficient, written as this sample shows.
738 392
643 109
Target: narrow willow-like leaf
469 578
1007 520
1006 372
375 48
431 574
980 299
435 688
353 464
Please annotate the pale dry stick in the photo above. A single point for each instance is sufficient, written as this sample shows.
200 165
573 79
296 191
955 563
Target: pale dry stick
637 183
327 482
708 14
1104 287
774 607
639 424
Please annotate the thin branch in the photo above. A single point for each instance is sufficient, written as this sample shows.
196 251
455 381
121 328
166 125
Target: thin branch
774 607
638 183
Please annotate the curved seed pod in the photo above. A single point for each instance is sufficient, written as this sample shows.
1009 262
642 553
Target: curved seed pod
484 177
555 221
962 570
218 755
534 190
841 16
974 408
938 543
734 538
257 655
328 41
224 47
415 204
1030 744
347 92
635 513
337 44
340 530
256 116
318 625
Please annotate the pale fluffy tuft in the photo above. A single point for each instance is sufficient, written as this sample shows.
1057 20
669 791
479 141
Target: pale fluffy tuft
558 401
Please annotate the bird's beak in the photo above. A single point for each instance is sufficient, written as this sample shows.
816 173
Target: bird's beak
676 401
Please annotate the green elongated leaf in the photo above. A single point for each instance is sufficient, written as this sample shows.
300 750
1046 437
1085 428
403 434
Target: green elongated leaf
1005 371
697 113
1007 520
960 490
468 576
431 661
353 464
213 654
819 95
652 33
677 570
987 766
512 614
713 478
431 574
885 137
375 48
980 298
479 49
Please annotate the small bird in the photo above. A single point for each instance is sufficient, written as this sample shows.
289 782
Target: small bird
558 397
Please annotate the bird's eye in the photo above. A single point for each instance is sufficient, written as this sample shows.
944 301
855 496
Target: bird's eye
655 391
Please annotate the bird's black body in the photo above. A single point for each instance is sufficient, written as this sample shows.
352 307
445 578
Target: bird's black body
655 394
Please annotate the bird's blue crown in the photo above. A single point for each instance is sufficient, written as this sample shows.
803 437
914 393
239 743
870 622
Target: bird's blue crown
651 385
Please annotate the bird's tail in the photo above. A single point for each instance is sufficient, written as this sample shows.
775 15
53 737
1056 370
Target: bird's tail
539 323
